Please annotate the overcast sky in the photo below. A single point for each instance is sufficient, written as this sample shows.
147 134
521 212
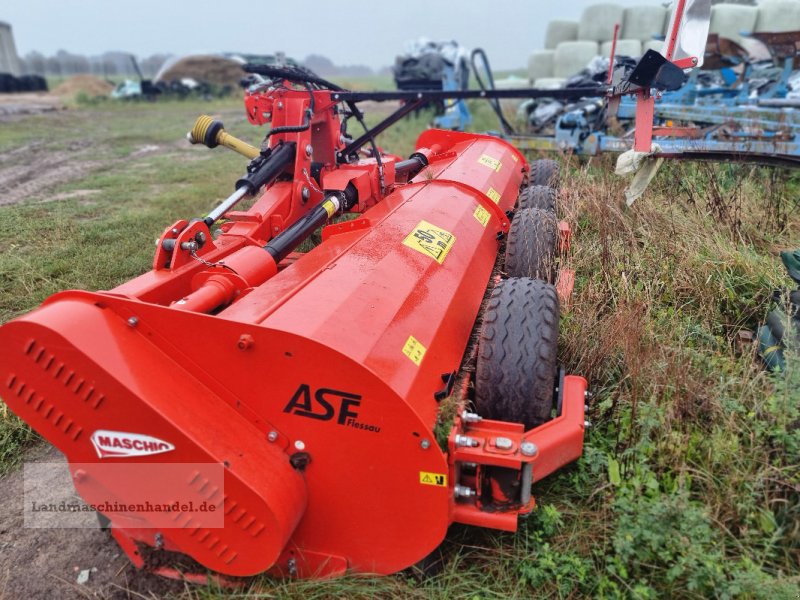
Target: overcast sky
349 32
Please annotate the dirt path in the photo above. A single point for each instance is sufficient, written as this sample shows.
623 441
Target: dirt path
17 106
31 169
46 563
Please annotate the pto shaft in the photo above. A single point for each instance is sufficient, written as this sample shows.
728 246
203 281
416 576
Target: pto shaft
212 133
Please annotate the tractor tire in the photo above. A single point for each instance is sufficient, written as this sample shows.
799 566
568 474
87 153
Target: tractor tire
538 196
546 172
517 353
531 245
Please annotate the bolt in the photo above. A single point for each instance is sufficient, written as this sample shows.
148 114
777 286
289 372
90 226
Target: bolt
272 436
306 193
585 408
133 321
300 445
462 491
309 150
469 417
587 424
528 449
588 395
292 566
245 341
175 231
280 105
426 443
466 441
79 475
503 443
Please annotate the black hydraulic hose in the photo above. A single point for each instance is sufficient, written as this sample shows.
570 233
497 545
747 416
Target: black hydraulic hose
294 128
493 102
307 78
264 170
283 244
412 166
294 74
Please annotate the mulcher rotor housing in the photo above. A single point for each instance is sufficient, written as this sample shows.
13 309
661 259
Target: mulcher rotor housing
317 379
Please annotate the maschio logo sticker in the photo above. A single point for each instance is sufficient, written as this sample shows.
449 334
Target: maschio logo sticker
431 241
120 444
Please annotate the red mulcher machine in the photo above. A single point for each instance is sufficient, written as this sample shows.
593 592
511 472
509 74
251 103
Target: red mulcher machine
362 396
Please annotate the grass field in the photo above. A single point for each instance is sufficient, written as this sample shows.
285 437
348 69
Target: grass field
690 482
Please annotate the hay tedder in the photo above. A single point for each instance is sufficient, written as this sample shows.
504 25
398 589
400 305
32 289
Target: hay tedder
359 397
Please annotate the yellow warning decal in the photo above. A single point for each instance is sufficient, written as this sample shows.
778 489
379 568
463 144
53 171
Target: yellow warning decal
430 240
490 162
482 215
437 479
494 195
414 350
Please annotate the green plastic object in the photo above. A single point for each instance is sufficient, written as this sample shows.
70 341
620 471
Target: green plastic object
792 262
770 350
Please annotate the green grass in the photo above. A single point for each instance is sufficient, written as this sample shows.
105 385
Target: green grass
689 485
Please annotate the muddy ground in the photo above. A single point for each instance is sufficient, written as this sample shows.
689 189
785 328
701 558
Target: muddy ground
46 563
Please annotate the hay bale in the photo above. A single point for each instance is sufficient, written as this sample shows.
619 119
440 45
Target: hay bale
216 70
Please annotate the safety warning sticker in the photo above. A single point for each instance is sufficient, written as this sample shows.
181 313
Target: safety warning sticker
430 240
482 215
437 479
414 350
494 195
490 162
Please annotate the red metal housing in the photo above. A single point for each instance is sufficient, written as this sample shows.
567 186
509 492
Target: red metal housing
317 381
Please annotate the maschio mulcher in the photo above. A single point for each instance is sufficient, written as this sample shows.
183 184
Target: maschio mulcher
318 381
335 409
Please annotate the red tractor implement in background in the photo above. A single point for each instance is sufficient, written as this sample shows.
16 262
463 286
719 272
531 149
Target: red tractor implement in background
358 398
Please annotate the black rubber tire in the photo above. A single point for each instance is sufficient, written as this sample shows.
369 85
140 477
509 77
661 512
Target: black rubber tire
531 245
546 172
517 353
538 196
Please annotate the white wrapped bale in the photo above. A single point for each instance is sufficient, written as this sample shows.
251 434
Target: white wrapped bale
632 48
541 64
730 20
643 23
598 21
777 16
560 31
572 57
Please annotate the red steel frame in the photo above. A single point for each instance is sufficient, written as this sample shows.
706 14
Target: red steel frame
333 359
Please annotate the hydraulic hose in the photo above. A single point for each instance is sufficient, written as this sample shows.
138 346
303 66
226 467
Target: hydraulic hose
494 102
